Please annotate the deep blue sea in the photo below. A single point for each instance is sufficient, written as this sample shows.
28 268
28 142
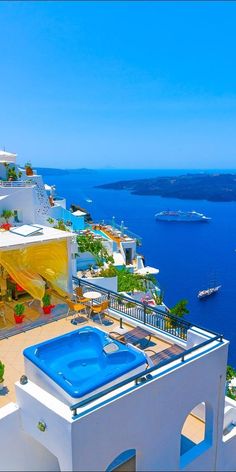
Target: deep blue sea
188 255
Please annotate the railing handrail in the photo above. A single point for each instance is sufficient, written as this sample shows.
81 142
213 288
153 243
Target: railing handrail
127 231
144 373
184 323
170 316
124 229
16 183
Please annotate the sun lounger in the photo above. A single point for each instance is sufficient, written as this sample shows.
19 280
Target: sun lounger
135 336
158 357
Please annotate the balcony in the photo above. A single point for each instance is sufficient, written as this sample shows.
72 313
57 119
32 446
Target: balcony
16 183
117 232
169 338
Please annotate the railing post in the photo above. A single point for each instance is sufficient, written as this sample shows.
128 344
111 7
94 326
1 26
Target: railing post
121 323
144 314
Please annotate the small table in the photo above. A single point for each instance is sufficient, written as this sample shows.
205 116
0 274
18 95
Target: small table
91 296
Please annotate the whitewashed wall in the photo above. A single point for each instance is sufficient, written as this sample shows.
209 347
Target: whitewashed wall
110 283
149 419
19 451
16 200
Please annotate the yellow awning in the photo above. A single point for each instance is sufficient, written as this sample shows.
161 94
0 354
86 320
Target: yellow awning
28 265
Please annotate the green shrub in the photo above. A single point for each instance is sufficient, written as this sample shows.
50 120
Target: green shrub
7 214
230 372
12 174
130 305
230 394
87 243
19 309
111 271
2 370
180 309
158 297
61 225
46 300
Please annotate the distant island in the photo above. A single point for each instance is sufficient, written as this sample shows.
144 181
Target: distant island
212 187
52 171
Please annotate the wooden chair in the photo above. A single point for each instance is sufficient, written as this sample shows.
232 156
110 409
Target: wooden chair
74 307
79 295
99 309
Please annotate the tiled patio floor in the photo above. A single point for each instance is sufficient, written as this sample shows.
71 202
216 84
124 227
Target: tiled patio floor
11 348
11 355
33 313
194 429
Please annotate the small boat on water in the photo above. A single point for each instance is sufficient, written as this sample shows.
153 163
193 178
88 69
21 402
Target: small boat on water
88 200
181 216
208 292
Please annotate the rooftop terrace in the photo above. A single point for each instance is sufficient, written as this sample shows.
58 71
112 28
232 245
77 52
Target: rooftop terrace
38 327
170 338
170 344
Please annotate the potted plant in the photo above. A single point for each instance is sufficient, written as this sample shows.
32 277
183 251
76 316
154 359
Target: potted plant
47 304
2 369
6 214
28 169
19 312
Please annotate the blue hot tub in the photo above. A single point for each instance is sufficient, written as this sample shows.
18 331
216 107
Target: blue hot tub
81 363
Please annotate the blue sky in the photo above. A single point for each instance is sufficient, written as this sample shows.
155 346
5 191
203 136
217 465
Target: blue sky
119 84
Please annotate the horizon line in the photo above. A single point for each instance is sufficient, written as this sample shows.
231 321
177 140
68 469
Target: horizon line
139 168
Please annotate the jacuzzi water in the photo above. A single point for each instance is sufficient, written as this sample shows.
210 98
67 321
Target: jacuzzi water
83 361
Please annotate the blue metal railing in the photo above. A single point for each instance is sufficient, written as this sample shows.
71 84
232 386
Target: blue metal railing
151 317
141 312
124 230
16 183
144 376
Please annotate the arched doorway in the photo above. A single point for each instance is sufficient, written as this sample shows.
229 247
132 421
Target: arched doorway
196 433
125 462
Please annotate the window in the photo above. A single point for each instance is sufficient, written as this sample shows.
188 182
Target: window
17 216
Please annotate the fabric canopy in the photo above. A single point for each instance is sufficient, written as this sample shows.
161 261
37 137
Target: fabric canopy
28 265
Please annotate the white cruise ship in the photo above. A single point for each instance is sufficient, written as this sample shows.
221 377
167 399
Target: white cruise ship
182 216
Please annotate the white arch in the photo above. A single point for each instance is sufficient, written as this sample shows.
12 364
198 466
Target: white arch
196 433
124 461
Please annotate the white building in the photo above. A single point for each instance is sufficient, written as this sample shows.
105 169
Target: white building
28 198
138 425
172 417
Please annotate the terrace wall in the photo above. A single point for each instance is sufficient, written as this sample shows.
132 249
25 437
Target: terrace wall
19 451
148 419
16 200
